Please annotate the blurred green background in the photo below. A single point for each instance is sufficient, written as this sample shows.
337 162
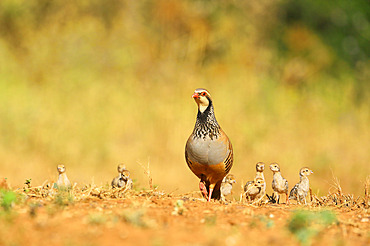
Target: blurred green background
94 83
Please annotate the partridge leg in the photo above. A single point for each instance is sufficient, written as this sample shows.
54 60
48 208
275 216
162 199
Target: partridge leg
203 189
277 198
211 186
287 198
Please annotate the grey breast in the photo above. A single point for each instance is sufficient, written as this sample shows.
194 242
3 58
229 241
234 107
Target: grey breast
206 151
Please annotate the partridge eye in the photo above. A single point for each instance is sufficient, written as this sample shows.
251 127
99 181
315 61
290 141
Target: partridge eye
203 94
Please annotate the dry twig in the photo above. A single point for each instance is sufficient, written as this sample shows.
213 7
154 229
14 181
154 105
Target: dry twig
147 172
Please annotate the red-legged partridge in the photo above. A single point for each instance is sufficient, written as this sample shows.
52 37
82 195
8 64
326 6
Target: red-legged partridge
300 190
208 151
227 185
279 184
63 180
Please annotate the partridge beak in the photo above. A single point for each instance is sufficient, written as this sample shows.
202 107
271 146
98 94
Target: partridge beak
311 172
195 95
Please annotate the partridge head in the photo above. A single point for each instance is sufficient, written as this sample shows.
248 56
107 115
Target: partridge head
121 168
305 171
260 166
61 168
274 167
230 178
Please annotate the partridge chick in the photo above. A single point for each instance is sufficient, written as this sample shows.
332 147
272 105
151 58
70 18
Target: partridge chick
254 190
227 185
126 177
260 167
279 184
123 179
121 167
208 151
63 180
300 190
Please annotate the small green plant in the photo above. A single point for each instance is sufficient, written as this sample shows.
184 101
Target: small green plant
135 218
179 208
63 198
307 224
210 220
33 209
256 220
7 198
96 219
27 185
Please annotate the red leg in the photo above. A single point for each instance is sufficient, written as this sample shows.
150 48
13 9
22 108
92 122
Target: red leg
287 199
203 189
210 194
211 186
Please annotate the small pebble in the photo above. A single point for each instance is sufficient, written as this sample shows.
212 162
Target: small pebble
365 220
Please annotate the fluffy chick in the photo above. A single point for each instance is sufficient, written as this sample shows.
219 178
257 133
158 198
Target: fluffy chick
300 190
254 190
63 180
227 185
279 184
123 179
260 167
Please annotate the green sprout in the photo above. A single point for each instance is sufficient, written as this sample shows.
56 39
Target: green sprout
7 199
307 224
63 198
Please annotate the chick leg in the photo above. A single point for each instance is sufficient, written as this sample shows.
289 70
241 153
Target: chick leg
286 198
277 197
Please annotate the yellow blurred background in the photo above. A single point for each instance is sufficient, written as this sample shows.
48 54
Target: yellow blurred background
97 83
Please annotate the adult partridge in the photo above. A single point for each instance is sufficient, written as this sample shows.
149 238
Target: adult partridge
300 190
208 151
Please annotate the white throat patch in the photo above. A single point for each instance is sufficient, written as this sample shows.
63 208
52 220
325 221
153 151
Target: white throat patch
202 108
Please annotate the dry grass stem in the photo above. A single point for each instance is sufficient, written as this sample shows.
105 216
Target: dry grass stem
147 172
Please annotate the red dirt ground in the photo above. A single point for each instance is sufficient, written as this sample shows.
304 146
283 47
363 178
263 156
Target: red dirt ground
150 218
